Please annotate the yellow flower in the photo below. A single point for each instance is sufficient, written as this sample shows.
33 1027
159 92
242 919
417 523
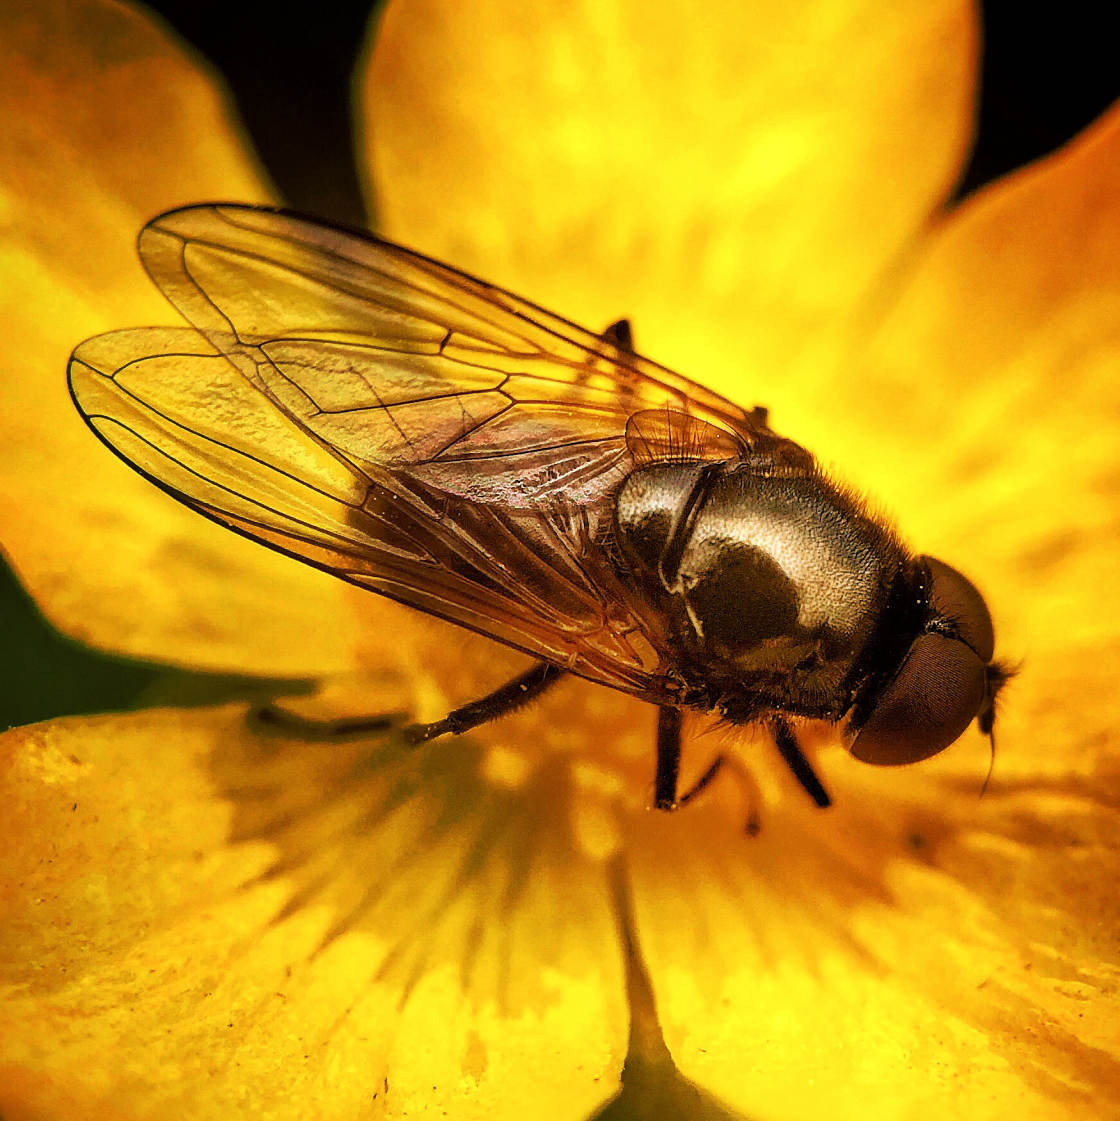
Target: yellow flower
203 918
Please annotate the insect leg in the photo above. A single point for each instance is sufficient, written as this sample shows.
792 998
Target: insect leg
748 787
508 697
702 783
796 761
668 758
310 727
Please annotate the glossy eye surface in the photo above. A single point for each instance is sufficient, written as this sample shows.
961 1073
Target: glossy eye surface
954 597
942 683
934 698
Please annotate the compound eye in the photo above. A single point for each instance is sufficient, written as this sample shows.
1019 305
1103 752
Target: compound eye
936 695
953 596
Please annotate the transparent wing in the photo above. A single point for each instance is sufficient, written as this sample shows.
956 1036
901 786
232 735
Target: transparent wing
404 426
396 359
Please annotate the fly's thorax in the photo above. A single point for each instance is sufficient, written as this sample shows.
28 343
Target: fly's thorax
652 511
772 582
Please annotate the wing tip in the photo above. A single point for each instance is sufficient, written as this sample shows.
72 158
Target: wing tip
91 359
77 373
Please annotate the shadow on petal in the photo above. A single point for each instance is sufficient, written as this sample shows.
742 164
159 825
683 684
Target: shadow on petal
448 855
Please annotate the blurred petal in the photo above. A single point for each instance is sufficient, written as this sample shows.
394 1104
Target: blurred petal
737 180
104 121
198 920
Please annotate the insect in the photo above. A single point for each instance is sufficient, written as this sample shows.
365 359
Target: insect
449 445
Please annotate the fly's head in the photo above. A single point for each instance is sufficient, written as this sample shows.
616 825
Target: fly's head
946 678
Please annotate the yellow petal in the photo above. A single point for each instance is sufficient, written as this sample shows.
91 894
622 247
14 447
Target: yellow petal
443 919
918 948
197 920
737 181
913 951
104 121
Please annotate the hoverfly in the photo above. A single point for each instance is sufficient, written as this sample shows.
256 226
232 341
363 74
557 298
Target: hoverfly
449 445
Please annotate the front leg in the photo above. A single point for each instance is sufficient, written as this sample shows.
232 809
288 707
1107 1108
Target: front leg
791 752
668 758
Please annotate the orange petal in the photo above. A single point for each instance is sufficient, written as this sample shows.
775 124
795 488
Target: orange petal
1003 348
106 121
197 920
737 182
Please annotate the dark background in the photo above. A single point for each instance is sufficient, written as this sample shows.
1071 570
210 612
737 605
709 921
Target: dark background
1047 72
